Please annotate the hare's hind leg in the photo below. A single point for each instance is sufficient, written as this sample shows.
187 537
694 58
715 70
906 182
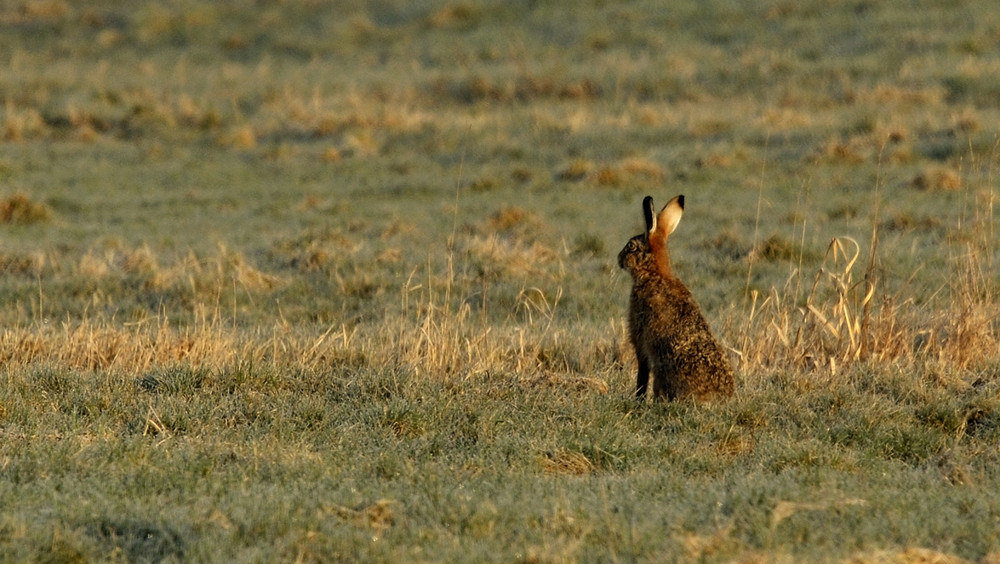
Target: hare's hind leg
642 379
665 382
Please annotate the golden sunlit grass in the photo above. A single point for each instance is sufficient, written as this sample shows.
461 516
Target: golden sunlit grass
844 321
826 321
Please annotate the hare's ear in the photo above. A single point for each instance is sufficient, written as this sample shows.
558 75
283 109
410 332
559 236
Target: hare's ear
647 212
670 215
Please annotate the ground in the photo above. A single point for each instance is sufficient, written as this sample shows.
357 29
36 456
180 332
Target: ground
323 281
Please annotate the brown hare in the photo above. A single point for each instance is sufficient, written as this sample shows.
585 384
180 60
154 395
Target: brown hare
670 336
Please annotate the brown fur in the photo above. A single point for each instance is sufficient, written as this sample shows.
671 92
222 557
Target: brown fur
671 338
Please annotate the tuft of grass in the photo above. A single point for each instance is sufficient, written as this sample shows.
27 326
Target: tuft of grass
19 208
776 248
567 462
937 179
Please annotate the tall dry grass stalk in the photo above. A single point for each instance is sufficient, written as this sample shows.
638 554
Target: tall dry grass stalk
844 317
847 316
430 335
844 321
825 318
432 343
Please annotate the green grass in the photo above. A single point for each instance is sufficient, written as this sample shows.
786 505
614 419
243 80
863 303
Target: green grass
379 464
330 282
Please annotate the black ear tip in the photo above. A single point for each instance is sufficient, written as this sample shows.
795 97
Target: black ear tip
680 201
647 213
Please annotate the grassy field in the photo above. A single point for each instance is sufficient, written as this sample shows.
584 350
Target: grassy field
331 281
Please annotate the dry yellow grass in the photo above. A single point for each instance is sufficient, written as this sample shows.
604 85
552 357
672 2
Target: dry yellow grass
828 333
843 322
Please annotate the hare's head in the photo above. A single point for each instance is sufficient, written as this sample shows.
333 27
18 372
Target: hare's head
647 252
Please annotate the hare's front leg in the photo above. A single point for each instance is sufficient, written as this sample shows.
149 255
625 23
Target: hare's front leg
642 380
